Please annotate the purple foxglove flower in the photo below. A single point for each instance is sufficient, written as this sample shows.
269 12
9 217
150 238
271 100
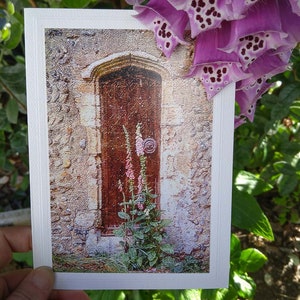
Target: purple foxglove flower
290 22
139 146
251 89
120 186
236 9
140 184
129 166
239 120
167 23
255 34
248 96
295 4
215 68
203 14
266 66
243 41
140 206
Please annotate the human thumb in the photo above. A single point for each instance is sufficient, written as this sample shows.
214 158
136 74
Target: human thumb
36 285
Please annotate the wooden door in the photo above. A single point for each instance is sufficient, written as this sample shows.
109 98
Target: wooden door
128 96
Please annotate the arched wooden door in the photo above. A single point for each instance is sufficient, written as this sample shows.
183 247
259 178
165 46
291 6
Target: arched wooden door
128 96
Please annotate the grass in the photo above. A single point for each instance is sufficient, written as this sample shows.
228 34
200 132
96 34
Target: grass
105 263
101 263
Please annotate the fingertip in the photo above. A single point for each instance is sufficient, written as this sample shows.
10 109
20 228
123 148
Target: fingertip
38 284
43 278
66 295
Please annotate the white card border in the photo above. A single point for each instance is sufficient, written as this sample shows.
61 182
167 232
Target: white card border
36 20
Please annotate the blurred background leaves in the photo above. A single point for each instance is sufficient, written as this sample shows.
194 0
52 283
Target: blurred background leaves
266 188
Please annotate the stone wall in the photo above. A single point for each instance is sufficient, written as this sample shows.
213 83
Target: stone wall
74 59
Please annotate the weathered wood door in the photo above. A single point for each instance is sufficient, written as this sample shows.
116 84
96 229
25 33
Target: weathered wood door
128 96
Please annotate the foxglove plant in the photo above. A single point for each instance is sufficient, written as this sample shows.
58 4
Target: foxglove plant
142 230
245 42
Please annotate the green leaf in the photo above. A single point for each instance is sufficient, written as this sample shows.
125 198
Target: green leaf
247 214
2 140
76 3
295 108
289 93
153 262
242 152
165 223
152 255
154 223
287 184
138 235
16 34
290 147
149 246
5 34
4 162
18 141
244 285
284 167
251 184
123 215
25 183
106 295
12 111
141 218
24 257
157 236
191 294
133 212
139 261
167 248
119 232
251 260
5 125
12 80
235 248
219 294
10 8
279 111
132 253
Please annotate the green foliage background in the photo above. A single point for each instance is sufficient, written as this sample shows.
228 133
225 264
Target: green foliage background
266 155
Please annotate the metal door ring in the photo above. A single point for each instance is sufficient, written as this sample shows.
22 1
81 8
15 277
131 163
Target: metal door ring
149 145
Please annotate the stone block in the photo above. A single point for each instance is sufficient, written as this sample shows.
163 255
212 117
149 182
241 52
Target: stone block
85 219
172 115
93 144
87 116
93 195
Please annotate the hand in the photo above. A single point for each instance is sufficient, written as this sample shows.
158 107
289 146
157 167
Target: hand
27 284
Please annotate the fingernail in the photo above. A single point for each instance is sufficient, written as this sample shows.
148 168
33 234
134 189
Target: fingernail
43 278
